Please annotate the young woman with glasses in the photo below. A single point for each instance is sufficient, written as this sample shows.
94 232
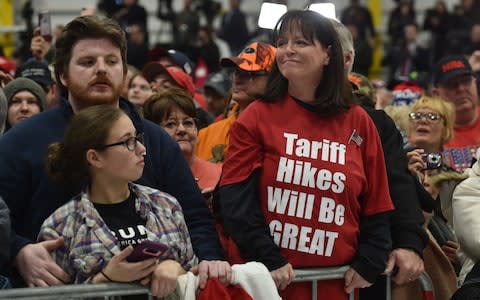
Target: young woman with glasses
101 226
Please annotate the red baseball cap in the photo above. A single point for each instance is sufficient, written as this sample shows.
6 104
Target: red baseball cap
182 79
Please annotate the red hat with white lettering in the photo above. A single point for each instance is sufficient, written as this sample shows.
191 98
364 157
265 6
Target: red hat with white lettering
450 66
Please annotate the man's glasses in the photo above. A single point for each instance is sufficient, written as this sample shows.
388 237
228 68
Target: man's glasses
130 143
430 117
174 124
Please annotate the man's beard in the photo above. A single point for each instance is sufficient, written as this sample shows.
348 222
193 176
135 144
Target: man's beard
83 96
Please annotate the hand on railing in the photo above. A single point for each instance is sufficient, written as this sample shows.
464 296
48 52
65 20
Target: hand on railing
213 269
408 263
164 278
353 280
283 276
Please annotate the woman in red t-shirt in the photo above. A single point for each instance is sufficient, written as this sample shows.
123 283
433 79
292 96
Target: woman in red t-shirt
305 175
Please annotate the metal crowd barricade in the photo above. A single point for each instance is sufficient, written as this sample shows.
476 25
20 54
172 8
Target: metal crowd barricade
114 291
110 291
319 274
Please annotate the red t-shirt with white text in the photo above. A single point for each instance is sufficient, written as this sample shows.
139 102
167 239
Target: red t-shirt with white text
318 176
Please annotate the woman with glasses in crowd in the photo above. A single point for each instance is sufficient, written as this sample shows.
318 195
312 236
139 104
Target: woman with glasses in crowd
174 110
305 171
112 216
430 126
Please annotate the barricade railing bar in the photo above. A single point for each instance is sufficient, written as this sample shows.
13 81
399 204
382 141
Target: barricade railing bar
113 291
107 291
319 274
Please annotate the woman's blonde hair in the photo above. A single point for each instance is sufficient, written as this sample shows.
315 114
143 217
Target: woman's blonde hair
399 114
444 108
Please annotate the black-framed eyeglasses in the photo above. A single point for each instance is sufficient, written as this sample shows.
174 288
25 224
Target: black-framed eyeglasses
428 116
130 143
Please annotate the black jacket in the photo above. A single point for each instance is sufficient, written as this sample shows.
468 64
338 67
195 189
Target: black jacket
407 218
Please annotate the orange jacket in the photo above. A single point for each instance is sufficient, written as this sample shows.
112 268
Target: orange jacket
213 140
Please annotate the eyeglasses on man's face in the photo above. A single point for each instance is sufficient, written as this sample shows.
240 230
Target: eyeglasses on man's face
428 116
173 124
130 143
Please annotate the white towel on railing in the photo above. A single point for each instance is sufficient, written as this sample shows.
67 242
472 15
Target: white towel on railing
254 277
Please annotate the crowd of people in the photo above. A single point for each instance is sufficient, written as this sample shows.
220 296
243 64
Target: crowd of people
131 164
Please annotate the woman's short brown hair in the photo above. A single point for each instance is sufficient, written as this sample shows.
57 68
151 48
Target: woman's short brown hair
160 105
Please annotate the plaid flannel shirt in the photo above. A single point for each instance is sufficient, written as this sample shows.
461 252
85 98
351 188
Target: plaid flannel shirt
89 243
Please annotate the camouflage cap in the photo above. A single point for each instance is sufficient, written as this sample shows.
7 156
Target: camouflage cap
256 57
362 86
